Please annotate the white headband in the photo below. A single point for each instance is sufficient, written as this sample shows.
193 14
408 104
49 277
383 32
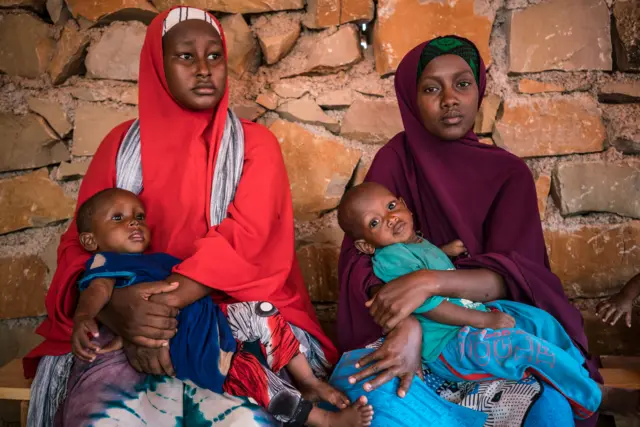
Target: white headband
180 14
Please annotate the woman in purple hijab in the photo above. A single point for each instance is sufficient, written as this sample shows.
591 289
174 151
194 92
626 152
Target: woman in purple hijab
457 188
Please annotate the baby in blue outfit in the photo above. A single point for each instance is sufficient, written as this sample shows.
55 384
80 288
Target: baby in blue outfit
465 340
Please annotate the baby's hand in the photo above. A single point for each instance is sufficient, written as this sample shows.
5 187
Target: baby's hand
454 249
82 345
616 306
498 320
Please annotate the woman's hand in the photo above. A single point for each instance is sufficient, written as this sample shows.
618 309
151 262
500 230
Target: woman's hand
399 356
132 316
399 298
155 361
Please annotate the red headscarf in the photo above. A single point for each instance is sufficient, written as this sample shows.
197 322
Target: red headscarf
465 190
249 256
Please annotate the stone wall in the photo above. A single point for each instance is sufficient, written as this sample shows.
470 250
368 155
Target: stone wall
564 94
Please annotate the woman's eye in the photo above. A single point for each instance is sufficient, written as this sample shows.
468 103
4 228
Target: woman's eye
430 89
140 217
117 217
392 206
464 84
374 223
213 56
185 56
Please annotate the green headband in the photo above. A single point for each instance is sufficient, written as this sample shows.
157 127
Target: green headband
449 45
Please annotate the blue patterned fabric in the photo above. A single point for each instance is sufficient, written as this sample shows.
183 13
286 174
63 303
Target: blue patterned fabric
201 351
421 406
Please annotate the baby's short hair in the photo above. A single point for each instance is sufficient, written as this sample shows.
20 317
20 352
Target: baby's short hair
88 209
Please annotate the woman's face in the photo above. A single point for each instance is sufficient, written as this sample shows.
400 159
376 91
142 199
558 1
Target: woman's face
194 64
448 97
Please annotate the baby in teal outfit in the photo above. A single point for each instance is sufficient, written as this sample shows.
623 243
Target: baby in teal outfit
381 225
464 340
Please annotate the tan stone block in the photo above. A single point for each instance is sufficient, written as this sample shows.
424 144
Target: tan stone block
356 10
268 100
116 55
129 96
23 289
336 52
543 186
361 171
534 86
242 46
27 142
58 11
287 89
598 186
336 99
307 111
487 114
594 260
68 171
277 43
37 5
627 43
373 122
319 168
112 9
548 127
17 341
233 6
486 140
67 58
322 13
25 45
402 25
319 265
32 200
88 94
620 92
605 339
248 111
560 35
93 123
53 113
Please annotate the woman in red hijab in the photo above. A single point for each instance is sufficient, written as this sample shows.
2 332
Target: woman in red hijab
457 188
217 196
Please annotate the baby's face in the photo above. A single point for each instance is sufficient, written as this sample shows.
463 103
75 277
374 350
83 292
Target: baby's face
384 218
121 225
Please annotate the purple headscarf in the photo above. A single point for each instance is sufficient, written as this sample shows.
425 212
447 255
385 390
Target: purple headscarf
463 189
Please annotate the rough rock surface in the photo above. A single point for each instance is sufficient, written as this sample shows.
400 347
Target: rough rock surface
560 35
319 168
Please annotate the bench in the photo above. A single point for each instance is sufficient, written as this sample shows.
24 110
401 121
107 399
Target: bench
617 371
13 386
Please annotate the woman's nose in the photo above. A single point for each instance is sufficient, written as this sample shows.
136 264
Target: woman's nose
391 220
133 222
203 68
449 98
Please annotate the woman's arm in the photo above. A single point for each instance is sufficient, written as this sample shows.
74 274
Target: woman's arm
400 297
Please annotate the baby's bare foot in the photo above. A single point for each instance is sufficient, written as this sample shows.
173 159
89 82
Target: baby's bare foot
315 390
359 414
620 401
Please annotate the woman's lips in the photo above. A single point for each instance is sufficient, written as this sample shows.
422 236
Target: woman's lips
452 120
204 90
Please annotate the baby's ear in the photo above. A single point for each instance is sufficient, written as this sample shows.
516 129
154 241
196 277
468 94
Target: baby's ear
364 247
88 242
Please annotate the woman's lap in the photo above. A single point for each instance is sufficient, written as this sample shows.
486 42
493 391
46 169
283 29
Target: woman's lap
109 392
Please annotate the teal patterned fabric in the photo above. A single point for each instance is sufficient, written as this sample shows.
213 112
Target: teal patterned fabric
451 45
